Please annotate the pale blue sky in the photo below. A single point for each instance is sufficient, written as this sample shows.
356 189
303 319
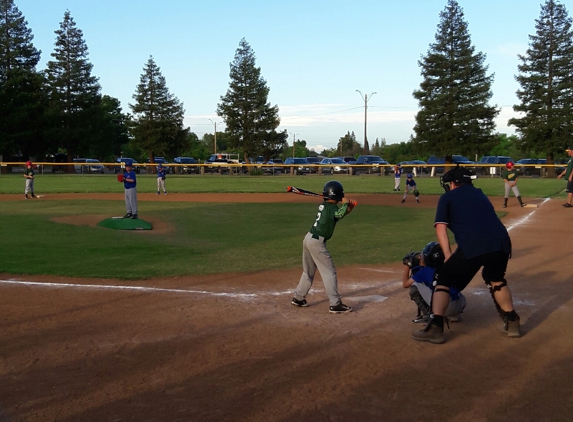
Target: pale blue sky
314 55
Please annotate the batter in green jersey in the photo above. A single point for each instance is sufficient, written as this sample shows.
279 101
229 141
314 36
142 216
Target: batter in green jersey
315 255
509 176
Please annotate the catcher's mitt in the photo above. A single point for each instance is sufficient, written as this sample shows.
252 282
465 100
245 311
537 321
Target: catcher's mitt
412 259
120 177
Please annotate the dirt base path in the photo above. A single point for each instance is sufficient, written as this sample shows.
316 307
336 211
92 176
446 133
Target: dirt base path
230 347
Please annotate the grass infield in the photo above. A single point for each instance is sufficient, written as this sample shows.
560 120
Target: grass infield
210 238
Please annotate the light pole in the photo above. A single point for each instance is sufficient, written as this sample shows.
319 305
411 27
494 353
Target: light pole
215 141
365 98
293 142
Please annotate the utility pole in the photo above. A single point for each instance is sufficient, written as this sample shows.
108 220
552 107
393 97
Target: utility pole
215 136
293 142
365 98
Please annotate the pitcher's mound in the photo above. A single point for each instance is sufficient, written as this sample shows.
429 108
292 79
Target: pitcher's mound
125 224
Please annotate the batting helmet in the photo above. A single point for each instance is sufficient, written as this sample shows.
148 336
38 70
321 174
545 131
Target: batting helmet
333 190
433 255
509 165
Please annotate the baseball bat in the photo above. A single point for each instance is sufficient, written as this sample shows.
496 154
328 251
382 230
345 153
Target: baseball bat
300 191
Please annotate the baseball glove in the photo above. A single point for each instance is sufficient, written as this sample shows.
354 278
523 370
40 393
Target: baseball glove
416 193
412 259
163 178
120 177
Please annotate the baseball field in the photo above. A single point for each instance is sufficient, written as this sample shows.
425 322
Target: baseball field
192 321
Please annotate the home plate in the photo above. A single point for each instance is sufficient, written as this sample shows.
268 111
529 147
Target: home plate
373 298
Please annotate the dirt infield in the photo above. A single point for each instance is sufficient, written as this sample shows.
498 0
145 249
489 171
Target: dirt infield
230 347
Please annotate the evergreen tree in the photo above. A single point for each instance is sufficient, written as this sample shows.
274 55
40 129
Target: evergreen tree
74 94
348 145
157 116
546 80
22 98
250 120
454 114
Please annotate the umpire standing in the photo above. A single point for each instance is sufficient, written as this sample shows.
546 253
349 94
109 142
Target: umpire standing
483 241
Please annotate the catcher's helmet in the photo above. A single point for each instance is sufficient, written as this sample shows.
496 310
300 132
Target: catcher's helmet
433 255
509 165
333 190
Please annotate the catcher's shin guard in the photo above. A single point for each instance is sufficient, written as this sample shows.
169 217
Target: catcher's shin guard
423 307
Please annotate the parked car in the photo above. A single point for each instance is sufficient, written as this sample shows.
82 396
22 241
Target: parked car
188 165
334 166
493 159
530 166
274 166
561 164
58 159
312 161
121 165
88 165
162 161
456 159
371 164
301 165
409 166
349 159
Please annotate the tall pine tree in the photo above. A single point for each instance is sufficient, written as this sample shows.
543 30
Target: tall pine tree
546 80
74 94
454 114
157 115
250 120
22 98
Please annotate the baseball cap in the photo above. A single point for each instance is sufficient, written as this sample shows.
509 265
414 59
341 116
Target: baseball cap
160 165
569 149
410 176
28 163
128 163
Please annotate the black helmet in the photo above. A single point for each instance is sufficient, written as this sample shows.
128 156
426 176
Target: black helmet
433 255
333 190
458 175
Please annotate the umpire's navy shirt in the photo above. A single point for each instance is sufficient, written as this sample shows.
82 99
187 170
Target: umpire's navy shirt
470 216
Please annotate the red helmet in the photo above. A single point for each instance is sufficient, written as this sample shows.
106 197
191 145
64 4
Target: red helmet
509 165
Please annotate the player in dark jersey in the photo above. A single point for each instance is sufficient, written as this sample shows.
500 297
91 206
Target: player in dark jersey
411 186
315 255
482 241
568 174
29 176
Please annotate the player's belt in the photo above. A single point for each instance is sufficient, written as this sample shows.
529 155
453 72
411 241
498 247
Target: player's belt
317 237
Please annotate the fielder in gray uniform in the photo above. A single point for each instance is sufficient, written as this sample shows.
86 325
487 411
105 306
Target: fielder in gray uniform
315 255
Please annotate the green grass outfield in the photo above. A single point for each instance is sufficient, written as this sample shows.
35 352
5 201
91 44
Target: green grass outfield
107 183
209 238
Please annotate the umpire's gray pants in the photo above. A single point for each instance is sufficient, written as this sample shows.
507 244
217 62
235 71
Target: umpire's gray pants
316 256
131 201
513 188
29 186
